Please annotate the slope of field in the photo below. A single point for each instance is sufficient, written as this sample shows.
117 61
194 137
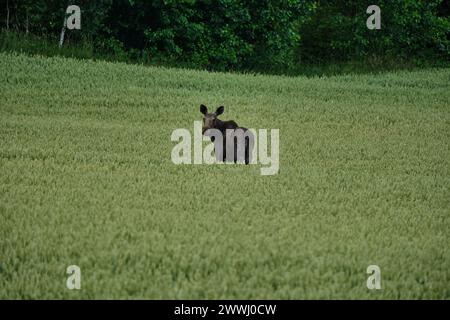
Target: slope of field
86 179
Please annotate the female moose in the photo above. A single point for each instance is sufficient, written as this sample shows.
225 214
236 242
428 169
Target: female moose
237 142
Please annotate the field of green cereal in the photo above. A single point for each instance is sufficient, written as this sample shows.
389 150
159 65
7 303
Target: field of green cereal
86 179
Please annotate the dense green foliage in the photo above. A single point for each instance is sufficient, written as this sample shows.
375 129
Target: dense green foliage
409 29
244 35
86 178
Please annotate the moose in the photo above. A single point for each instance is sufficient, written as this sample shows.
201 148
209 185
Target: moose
237 141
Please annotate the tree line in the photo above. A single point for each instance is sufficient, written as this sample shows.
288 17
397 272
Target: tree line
242 34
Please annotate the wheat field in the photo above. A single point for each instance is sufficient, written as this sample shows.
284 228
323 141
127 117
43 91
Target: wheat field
86 179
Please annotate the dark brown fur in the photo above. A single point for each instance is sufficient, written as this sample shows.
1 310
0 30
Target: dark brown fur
210 121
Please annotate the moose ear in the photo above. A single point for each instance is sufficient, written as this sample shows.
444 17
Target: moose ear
220 110
203 109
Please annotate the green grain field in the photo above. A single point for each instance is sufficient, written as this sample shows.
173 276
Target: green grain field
86 179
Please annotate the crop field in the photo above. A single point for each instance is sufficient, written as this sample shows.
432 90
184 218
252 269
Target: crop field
86 179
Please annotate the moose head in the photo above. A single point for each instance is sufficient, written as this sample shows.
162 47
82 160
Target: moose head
210 120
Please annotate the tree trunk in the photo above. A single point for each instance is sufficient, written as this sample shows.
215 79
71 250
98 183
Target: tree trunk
26 23
7 15
63 32
16 7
